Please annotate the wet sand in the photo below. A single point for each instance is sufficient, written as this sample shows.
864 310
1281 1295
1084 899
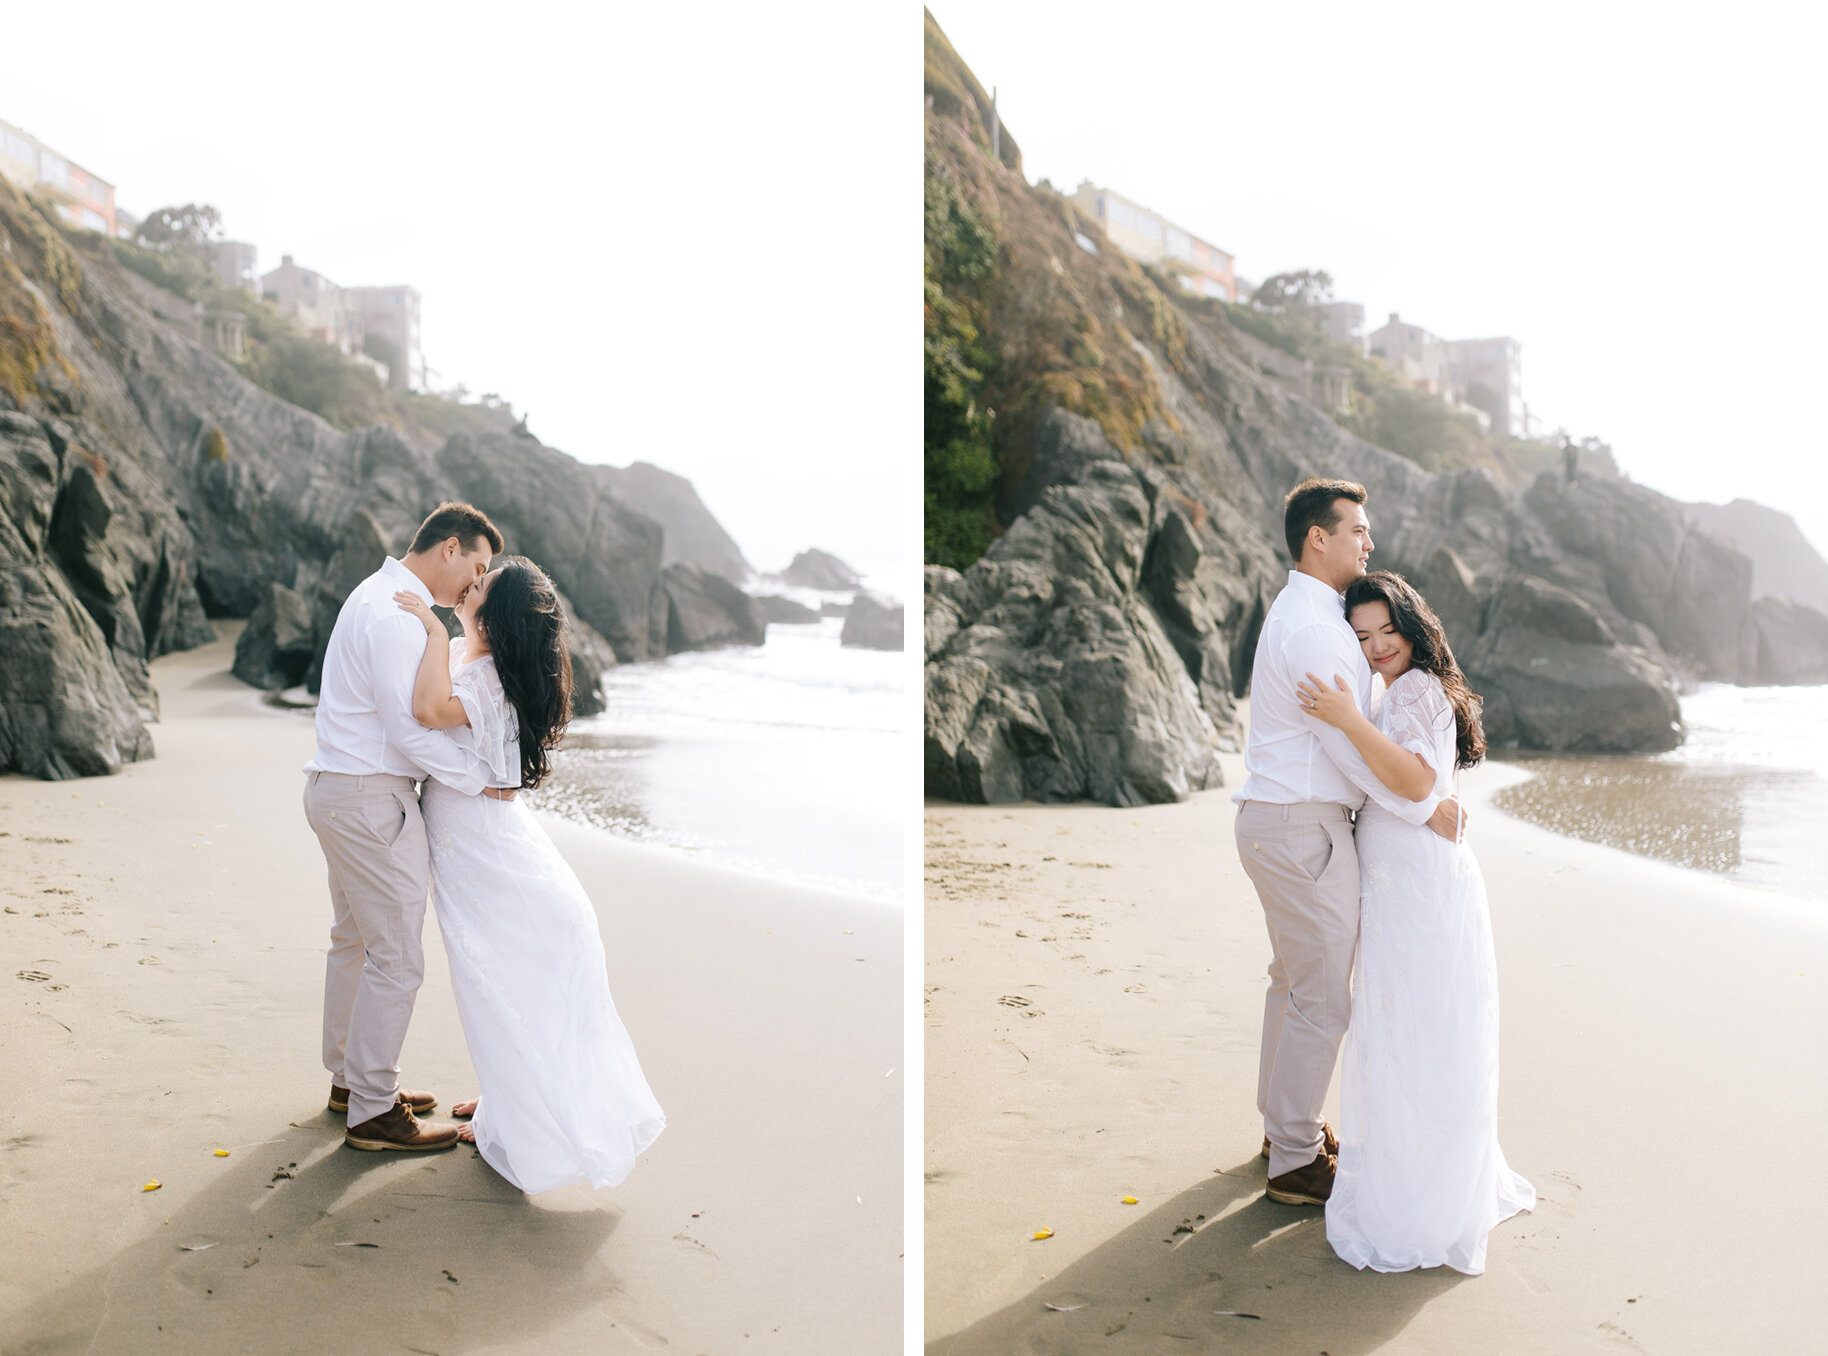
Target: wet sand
1761 826
1094 1001
164 934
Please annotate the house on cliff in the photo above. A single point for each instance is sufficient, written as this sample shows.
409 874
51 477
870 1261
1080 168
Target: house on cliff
83 198
1150 238
1483 377
377 326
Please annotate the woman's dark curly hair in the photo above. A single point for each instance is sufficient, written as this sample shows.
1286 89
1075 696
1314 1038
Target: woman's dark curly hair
1416 623
525 627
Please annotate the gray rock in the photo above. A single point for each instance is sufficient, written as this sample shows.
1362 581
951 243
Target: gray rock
64 709
873 624
705 611
362 549
564 516
278 645
816 569
1048 675
692 535
1787 643
784 610
1784 564
1554 677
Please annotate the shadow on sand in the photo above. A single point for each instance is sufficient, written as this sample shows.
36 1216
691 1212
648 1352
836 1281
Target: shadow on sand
353 1252
1189 1270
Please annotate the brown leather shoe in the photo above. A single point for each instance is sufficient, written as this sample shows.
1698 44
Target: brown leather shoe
1305 1186
420 1102
1328 1141
398 1128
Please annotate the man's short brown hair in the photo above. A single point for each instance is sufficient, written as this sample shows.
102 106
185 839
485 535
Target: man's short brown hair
1315 503
465 522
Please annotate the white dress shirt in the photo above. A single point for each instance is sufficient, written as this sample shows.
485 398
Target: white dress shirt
365 719
1292 757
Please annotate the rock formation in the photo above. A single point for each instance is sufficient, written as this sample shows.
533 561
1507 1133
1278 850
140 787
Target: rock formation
698 610
873 624
692 535
778 609
145 484
816 569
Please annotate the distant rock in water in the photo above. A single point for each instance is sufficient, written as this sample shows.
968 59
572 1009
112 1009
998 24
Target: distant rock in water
702 611
816 569
145 485
778 609
1788 643
873 624
834 609
693 536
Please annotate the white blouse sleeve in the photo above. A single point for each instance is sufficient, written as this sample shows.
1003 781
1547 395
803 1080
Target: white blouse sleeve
494 733
1418 716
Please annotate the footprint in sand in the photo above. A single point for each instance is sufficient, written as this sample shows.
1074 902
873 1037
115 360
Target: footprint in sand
643 1336
1008 1000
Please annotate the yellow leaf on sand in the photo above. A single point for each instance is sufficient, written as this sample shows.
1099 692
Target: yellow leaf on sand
1044 1233
1129 1200
152 1186
222 1153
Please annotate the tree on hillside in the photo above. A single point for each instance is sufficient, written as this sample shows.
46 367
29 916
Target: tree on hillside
193 228
1293 291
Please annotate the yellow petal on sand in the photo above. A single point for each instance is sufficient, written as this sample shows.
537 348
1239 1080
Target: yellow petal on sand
1129 1200
1043 1233
222 1153
152 1186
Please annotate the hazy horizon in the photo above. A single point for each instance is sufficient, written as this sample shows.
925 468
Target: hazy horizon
1585 180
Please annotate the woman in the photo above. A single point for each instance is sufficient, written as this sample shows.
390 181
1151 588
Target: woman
1421 1178
562 1097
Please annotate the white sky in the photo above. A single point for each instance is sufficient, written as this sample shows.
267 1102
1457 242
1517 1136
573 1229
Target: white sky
1633 191
686 237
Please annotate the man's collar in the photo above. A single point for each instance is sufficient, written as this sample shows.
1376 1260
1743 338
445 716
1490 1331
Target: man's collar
1299 579
397 570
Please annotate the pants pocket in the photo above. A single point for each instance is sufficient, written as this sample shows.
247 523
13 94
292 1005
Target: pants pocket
1312 851
389 819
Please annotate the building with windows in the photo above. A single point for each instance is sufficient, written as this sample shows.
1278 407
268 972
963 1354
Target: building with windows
1148 237
376 326
1415 355
390 324
1488 374
1483 377
82 198
236 264
1344 323
315 302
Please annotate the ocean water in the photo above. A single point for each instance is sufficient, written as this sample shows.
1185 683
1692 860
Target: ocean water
1745 795
786 760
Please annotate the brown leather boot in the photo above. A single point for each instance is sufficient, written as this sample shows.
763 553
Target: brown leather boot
1305 1186
420 1102
398 1128
1329 1141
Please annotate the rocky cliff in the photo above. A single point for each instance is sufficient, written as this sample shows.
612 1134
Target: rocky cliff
146 485
1098 647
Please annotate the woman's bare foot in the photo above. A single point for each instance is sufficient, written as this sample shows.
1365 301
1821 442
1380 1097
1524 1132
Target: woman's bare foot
463 1109
467 1133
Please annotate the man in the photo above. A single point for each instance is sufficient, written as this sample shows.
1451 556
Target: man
362 801
1304 783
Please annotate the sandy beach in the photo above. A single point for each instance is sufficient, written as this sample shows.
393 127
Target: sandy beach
1094 999
164 934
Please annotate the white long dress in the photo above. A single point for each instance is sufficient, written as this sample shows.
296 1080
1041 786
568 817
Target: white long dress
562 1098
1421 1179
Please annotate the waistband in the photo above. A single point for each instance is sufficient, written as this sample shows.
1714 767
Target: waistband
1304 812
377 781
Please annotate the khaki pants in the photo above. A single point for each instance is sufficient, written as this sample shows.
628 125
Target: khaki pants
1304 863
380 874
